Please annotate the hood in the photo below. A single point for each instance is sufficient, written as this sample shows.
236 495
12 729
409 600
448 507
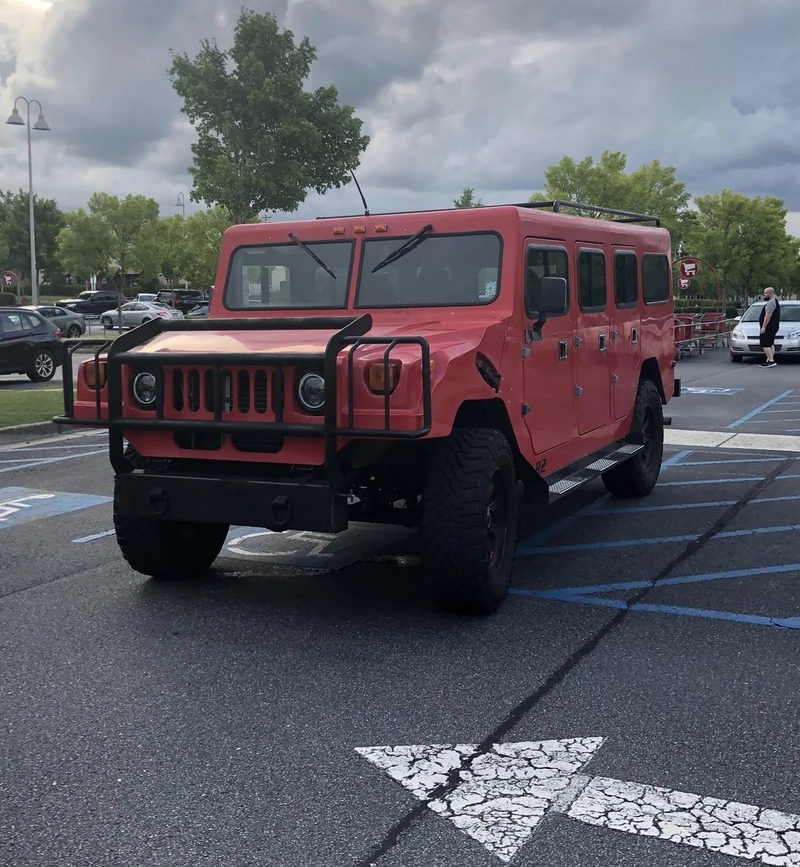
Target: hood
453 339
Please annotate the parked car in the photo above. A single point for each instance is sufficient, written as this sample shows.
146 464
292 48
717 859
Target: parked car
29 344
182 299
72 324
146 297
198 312
137 313
93 302
743 342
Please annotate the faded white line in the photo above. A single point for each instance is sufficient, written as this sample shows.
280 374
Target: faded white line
44 461
718 439
94 537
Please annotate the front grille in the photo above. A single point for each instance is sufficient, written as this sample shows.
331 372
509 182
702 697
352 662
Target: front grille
265 443
203 441
246 391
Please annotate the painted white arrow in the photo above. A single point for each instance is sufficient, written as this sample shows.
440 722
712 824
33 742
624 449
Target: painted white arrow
503 794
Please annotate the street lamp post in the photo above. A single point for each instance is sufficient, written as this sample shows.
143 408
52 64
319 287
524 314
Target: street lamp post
41 124
181 203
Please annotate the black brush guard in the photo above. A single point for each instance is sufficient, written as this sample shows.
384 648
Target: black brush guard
279 504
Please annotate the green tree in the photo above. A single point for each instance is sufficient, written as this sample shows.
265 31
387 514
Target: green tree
467 199
113 236
651 189
746 241
263 140
199 255
15 233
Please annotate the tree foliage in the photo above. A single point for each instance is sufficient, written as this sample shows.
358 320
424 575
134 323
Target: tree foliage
114 235
263 140
467 199
15 235
653 188
746 241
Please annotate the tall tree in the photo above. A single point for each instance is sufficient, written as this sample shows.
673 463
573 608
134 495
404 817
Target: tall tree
199 256
467 199
745 239
263 140
114 236
651 189
15 230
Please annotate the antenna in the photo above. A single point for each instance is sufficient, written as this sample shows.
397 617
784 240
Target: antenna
366 207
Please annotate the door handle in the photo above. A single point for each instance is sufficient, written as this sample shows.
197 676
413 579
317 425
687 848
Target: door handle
635 335
602 342
562 350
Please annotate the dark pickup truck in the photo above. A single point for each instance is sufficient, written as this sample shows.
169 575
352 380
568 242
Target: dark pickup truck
93 302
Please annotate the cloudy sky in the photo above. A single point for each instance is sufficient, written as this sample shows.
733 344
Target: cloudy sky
485 93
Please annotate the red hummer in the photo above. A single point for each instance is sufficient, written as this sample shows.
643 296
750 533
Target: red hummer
408 368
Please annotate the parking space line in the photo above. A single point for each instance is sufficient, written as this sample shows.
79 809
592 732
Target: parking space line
730 461
93 537
746 418
675 459
41 462
714 481
624 510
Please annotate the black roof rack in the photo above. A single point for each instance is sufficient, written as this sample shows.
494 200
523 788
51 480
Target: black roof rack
556 205
627 216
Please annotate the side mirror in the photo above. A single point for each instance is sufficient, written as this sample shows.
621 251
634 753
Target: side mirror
553 296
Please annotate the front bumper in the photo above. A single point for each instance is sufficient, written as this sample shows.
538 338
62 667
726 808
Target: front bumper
277 504
750 345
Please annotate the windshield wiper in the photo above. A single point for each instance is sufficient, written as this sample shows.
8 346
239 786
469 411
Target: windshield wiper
311 253
409 245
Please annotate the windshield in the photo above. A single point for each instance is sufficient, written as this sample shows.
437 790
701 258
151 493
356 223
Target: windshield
789 313
281 276
447 270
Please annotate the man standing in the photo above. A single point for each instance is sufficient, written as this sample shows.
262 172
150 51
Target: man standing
769 321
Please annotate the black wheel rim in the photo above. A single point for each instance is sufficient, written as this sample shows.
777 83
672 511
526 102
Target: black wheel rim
497 520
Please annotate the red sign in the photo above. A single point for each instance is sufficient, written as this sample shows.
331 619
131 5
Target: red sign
684 282
689 268
9 279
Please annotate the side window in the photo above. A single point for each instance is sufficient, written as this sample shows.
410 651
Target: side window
13 323
626 279
655 278
31 320
543 262
592 276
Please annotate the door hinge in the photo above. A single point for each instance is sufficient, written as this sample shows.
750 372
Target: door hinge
578 391
525 352
614 379
614 333
578 341
526 408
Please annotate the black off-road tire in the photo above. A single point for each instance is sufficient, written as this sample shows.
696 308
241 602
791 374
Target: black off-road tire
639 474
469 520
167 550
43 367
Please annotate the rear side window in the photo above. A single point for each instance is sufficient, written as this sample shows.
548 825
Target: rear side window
543 262
655 278
592 277
31 320
13 323
626 279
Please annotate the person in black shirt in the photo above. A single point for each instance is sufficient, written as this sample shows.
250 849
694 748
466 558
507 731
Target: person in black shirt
769 321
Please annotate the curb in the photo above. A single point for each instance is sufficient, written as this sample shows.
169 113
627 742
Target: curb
20 432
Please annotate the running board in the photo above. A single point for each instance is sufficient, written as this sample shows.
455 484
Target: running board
565 484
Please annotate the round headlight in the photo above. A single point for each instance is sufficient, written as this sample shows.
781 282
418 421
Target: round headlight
144 389
311 391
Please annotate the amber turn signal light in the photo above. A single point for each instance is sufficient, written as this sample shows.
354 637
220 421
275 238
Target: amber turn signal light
376 376
95 374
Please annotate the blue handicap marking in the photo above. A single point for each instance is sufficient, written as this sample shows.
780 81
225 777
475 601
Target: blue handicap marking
20 505
696 389
592 596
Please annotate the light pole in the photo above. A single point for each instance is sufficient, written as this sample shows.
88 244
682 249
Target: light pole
41 124
181 203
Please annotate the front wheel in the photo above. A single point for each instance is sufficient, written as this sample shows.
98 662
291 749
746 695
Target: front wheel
637 476
736 359
74 331
106 322
469 520
43 368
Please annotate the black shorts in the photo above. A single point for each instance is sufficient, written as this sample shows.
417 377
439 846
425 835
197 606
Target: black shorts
767 339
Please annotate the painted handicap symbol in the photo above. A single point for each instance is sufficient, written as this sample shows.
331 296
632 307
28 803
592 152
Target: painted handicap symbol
595 595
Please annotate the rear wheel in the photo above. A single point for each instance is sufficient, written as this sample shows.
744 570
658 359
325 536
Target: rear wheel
43 368
74 331
469 520
639 474
166 550
106 322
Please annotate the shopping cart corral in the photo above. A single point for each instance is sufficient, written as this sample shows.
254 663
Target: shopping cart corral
698 332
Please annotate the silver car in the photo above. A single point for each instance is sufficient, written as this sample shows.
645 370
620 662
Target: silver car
72 324
137 313
744 343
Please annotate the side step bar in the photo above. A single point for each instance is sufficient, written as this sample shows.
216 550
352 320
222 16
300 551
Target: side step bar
565 484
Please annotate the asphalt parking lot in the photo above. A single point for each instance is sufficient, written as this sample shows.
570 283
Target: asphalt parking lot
633 702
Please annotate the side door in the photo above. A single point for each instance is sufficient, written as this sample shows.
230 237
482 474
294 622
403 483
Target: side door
15 343
549 402
592 340
626 328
